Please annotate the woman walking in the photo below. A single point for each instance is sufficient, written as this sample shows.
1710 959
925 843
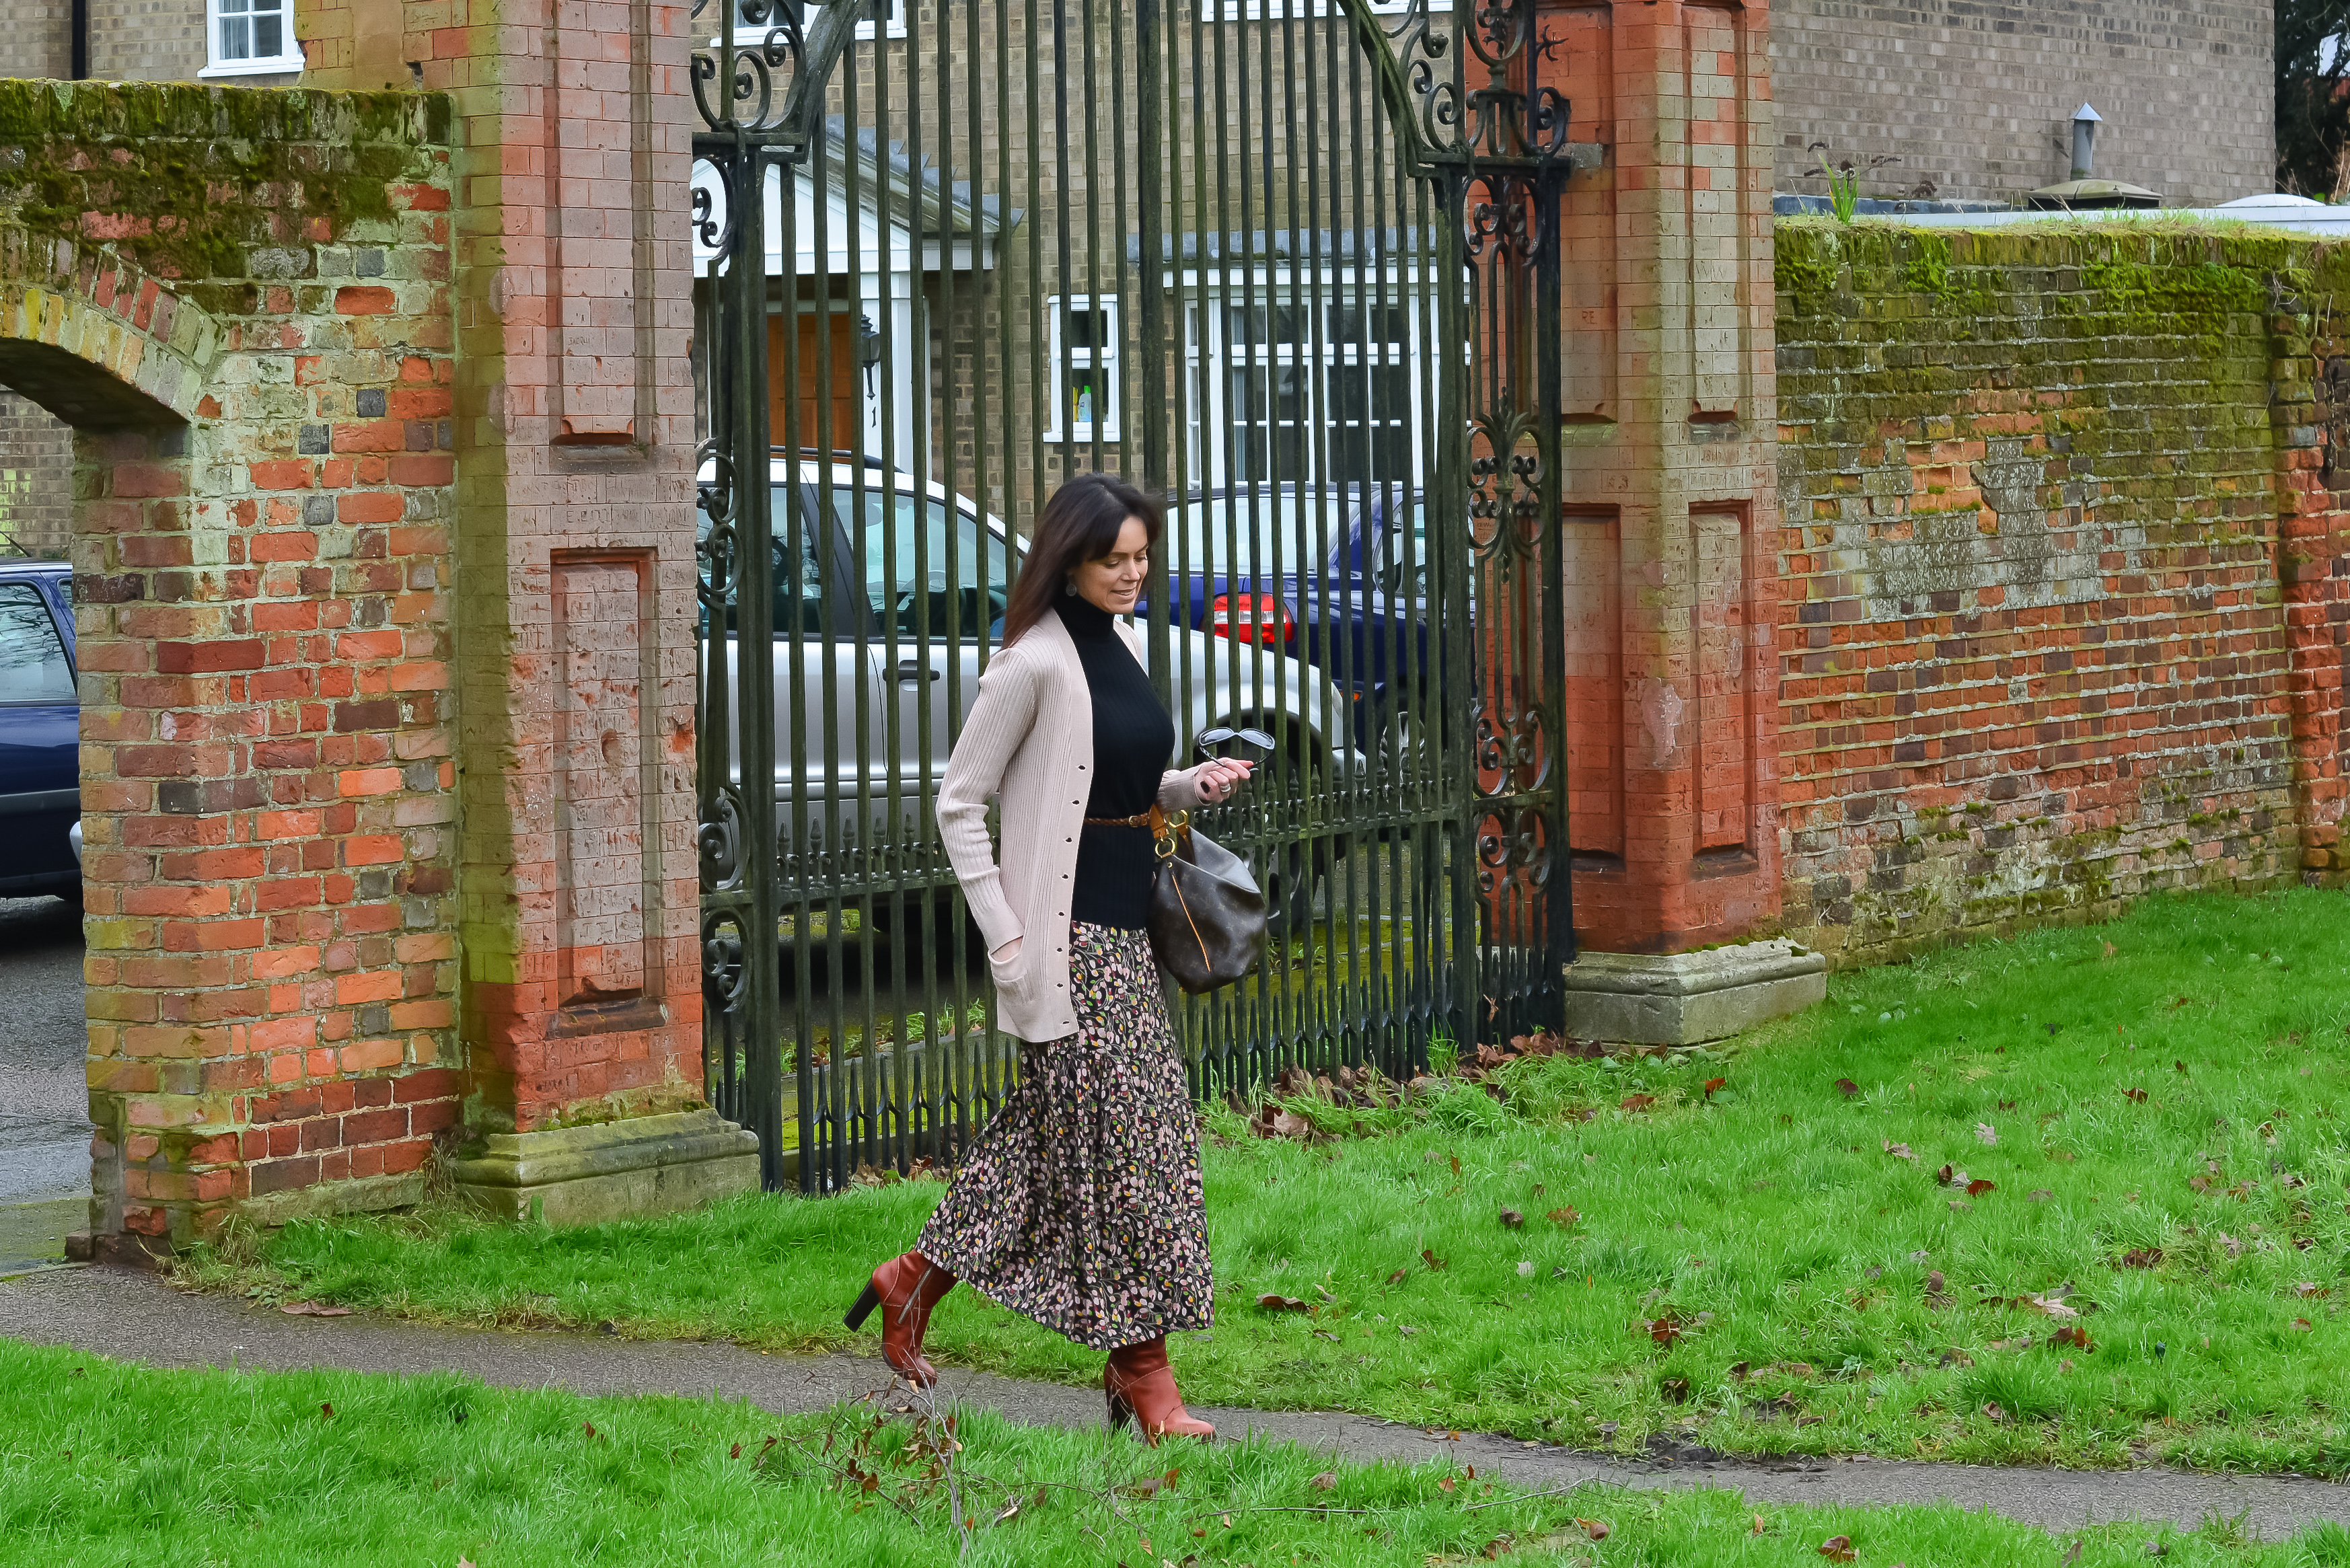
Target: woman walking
1079 1205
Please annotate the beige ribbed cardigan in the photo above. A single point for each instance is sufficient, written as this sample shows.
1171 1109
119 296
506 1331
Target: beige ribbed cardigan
1029 741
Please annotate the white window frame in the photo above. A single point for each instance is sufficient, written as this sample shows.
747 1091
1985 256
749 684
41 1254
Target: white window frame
1307 10
1210 358
1065 426
288 60
894 19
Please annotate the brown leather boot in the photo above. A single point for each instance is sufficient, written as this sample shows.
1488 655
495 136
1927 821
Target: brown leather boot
905 1288
1141 1385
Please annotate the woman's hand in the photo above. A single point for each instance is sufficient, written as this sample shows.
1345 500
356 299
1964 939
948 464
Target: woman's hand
1007 952
1221 779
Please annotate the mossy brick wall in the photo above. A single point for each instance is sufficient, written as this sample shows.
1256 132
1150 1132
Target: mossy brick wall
2060 614
239 299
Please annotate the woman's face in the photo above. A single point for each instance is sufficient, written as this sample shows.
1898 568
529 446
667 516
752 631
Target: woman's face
1115 581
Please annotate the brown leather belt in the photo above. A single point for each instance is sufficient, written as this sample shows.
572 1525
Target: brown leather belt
1140 819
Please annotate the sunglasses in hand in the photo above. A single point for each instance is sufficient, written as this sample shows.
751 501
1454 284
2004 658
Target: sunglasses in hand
1223 735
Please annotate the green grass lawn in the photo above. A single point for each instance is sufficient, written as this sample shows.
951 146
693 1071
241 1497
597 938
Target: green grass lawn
2156 1269
102 1463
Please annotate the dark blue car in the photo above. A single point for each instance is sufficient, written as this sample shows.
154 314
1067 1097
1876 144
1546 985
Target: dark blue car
1333 574
40 723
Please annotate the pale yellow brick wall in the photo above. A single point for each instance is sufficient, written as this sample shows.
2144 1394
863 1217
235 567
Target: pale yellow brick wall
1975 96
37 40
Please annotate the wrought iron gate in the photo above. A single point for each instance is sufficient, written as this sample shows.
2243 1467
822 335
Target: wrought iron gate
1291 263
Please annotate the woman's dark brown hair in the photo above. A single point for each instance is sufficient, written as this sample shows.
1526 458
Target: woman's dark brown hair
1081 521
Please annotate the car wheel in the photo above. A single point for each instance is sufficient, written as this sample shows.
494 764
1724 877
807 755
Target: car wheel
1292 870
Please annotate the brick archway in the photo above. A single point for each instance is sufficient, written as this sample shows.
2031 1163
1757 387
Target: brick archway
257 372
67 311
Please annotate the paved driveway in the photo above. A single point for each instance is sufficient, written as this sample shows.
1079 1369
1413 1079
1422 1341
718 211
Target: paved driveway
44 1109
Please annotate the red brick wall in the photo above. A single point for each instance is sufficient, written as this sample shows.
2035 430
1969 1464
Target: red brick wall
2038 655
263 557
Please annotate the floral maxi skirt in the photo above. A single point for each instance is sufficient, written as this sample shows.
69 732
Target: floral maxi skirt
1079 1206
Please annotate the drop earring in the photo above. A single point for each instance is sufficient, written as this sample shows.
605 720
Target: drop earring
1069 587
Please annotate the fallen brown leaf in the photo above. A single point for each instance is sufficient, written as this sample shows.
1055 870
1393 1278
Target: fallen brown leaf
1396 1278
1900 1151
1635 1104
1512 1219
1270 1302
1837 1549
1430 1259
1847 1088
2136 1095
1324 1481
1979 1186
314 1309
1596 1528
1713 1084
1564 1215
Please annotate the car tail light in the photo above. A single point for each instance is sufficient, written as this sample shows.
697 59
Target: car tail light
1251 617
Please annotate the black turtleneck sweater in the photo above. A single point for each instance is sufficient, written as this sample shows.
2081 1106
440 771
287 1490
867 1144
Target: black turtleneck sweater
1133 738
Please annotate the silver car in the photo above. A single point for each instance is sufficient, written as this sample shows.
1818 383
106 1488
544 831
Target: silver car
901 587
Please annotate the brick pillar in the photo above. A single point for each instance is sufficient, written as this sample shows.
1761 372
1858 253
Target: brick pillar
575 602
2311 415
1670 487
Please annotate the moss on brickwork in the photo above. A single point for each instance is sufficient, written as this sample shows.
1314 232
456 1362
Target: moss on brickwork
2036 661
190 180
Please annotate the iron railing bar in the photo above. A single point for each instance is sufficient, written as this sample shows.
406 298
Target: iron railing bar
1040 419
969 1092
861 854
940 990
1253 1021
1297 1015
1364 787
1557 907
801 532
904 837
756 671
1321 1020
819 1166
1119 281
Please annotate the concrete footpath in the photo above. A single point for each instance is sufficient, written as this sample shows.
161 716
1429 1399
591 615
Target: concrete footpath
136 1317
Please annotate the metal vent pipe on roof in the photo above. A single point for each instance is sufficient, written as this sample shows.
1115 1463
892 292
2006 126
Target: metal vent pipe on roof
2085 121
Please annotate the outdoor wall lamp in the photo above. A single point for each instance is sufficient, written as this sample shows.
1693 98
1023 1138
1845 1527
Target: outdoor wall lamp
868 351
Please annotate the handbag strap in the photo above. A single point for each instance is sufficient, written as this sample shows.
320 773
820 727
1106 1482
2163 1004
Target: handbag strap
1167 828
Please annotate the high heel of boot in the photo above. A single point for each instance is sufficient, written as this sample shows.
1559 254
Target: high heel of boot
1120 1412
905 1289
866 1300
